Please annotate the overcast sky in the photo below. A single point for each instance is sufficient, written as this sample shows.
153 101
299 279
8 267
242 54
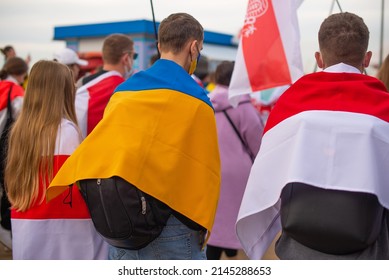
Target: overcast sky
28 25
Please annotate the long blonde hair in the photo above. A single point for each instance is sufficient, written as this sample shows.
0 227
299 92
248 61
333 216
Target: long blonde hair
49 97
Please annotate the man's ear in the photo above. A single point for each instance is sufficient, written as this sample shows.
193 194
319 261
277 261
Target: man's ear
366 60
319 60
193 49
124 58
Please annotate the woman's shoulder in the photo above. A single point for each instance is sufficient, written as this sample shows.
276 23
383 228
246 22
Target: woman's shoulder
68 137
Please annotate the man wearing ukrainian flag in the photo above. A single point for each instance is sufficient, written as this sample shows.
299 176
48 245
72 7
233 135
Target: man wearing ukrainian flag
159 133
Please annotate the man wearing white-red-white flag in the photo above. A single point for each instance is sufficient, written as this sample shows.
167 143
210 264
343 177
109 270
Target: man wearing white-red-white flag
96 90
321 175
269 48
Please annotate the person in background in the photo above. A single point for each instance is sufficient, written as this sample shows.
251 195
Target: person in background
321 175
239 132
153 59
42 138
202 70
96 90
210 81
159 134
70 58
383 72
11 76
9 52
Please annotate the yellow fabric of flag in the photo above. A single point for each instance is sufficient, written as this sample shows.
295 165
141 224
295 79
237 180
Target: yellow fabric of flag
162 141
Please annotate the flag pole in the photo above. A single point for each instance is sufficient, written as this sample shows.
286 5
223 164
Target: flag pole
340 8
155 28
382 33
332 6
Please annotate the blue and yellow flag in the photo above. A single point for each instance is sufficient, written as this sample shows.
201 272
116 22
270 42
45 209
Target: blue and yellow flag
159 133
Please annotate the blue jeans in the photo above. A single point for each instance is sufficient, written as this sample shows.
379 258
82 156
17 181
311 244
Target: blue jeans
176 242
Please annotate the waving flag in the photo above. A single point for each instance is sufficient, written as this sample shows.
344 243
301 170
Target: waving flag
269 50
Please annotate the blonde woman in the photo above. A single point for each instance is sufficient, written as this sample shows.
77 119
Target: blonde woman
43 137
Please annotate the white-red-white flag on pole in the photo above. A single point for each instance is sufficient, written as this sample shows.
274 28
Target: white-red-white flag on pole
269 52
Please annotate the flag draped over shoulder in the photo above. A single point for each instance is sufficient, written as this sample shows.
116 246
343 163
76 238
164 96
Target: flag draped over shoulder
159 134
92 98
62 228
329 130
17 95
269 49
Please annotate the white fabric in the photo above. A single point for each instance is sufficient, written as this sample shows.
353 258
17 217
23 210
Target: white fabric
342 68
82 100
240 82
11 79
286 17
328 149
73 240
286 14
16 104
68 138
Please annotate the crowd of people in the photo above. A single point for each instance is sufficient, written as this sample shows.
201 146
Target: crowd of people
313 176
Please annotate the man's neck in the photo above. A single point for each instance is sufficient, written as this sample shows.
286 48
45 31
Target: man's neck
112 67
177 58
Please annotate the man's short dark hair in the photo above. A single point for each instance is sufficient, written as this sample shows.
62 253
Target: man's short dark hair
176 30
343 37
115 46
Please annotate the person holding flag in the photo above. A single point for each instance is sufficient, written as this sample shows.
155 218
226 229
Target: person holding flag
321 175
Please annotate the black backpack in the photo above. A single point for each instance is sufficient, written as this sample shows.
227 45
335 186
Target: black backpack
5 204
122 214
330 221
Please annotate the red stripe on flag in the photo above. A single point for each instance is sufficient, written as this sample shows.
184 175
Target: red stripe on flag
59 207
100 94
342 92
262 46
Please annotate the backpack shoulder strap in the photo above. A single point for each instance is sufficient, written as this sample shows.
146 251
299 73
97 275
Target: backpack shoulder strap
9 105
239 136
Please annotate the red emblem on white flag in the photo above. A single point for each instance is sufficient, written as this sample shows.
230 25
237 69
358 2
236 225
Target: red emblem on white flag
255 9
269 51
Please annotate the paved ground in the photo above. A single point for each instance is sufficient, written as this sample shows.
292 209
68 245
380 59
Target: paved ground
6 254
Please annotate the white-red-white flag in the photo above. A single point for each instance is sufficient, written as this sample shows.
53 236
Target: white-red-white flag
311 137
92 98
269 48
